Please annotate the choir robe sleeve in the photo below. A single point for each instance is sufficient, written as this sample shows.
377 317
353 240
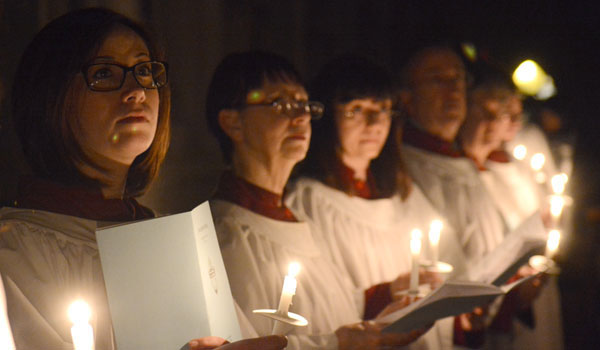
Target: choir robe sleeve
257 251
46 262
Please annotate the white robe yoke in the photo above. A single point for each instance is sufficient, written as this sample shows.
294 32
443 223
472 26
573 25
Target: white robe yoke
257 251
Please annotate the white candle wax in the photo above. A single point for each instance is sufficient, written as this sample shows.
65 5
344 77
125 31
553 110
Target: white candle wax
81 332
557 203
435 230
552 243
289 289
415 250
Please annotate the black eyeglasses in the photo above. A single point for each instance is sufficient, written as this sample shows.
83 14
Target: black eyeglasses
294 108
111 76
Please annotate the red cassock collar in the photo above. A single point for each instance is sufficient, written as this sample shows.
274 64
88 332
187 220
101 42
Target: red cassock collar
418 138
360 188
236 190
82 202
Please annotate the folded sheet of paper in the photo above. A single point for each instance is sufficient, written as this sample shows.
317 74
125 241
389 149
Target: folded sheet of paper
515 250
450 299
166 281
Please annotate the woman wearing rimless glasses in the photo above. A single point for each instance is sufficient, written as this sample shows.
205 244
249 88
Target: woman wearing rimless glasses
91 106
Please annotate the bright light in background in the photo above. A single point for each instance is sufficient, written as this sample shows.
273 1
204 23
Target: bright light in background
531 79
520 152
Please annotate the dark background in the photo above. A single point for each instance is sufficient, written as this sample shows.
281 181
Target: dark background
562 36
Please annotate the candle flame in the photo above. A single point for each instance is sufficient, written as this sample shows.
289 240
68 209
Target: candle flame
79 312
553 241
557 204
537 161
434 231
294 269
415 241
558 183
520 152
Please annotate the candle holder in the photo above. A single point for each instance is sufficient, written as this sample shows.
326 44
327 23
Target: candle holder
544 264
423 290
437 266
288 318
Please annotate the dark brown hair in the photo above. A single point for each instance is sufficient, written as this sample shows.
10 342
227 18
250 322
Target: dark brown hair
43 99
340 81
234 78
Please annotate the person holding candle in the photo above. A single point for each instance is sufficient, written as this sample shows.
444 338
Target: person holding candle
259 111
481 136
91 106
352 186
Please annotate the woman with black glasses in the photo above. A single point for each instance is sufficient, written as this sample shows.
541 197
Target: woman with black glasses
91 106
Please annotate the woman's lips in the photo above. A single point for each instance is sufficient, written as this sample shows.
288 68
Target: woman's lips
132 120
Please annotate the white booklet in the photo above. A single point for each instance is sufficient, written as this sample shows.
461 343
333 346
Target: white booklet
450 299
166 281
518 246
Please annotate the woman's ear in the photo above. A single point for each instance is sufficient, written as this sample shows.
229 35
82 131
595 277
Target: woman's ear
230 122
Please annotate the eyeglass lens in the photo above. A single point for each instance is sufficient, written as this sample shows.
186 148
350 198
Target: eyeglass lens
106 76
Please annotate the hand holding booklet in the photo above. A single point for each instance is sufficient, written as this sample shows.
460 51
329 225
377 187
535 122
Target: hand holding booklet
450 299
493 270
166 282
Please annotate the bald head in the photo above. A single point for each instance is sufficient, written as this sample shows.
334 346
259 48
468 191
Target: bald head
434 92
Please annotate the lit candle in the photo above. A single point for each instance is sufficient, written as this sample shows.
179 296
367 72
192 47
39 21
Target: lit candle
415 250
434 239
557 203
289 289
82 333
558 183
520 152
552 243
537 161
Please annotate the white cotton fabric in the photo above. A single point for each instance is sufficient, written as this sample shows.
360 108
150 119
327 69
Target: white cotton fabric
454 187
47 261
369 238
515 192
532 137
257 252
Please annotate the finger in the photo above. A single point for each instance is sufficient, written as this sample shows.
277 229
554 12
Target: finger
206 343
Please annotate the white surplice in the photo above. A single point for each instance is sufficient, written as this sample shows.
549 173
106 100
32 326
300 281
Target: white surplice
257 251
369 238
47 261
455 189
515 192
518 196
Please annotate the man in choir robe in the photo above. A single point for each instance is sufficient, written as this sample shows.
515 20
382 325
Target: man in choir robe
434 96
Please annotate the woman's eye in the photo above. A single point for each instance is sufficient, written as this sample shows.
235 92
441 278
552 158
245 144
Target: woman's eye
144 71
102 73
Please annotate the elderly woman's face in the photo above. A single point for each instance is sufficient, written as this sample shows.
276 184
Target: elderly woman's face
270 134
363 126
118 125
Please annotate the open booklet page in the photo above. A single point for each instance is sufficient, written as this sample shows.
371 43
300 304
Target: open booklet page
515 250
166 281
450 299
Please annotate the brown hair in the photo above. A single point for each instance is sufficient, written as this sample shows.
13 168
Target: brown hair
341 81
43 98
